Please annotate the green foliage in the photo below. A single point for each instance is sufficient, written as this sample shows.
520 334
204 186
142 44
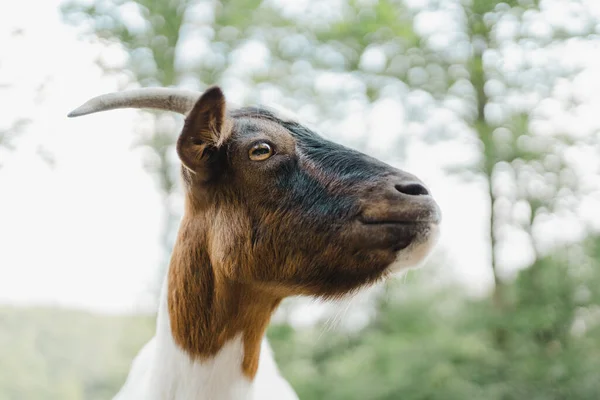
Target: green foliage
151 47
59 354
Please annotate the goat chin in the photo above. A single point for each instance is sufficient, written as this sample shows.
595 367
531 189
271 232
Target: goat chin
417 252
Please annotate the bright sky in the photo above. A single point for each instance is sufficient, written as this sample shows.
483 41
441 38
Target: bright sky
85 232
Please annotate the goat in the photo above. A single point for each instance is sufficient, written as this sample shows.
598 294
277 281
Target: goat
271 210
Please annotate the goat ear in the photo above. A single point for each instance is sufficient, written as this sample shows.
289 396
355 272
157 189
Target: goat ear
205 130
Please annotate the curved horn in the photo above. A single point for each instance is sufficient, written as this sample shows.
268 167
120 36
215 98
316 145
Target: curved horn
178 100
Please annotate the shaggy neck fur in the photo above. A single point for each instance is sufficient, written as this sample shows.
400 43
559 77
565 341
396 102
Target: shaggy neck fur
207 310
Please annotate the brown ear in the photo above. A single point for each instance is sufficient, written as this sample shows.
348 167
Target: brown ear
204 130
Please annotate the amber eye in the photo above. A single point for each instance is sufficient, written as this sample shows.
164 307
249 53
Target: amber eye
260 152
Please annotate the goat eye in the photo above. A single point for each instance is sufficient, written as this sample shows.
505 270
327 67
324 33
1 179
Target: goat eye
260 152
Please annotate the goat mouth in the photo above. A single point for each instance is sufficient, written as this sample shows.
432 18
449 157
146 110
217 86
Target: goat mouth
427 213
389 234
395 234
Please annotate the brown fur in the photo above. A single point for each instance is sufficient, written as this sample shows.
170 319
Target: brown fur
244 244
206 307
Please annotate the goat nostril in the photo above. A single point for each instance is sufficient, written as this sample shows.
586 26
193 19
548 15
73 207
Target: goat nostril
412 189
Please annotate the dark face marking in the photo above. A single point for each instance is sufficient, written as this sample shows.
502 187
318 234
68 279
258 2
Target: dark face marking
306 220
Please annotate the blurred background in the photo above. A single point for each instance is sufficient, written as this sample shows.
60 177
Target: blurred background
493 104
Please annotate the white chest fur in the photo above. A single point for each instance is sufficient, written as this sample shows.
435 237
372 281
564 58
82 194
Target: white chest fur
162 371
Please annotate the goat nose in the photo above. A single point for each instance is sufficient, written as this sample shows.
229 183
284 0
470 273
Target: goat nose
412 189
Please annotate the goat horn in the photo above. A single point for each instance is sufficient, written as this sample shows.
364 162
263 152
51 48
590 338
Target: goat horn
177 100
